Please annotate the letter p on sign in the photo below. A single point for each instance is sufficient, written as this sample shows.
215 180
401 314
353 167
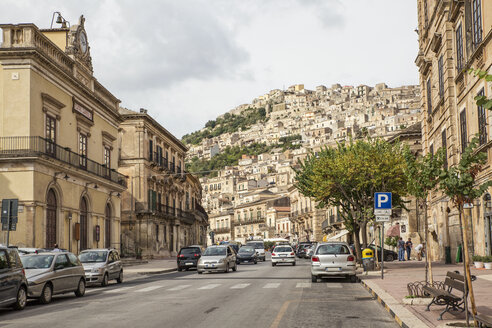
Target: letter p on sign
382 200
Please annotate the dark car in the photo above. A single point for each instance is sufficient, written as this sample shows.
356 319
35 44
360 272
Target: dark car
188 257
389 255
302 249
247 254
13 283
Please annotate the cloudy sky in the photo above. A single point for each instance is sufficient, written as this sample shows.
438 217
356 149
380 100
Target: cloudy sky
189 61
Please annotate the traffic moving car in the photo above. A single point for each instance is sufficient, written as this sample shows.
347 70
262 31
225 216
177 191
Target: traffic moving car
13 282
283 254
217 258
332 259
101 266
302 249
188 257
53 273
259 248
247 254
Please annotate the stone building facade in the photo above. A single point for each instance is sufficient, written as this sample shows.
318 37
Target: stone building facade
58 141
161 209
453 37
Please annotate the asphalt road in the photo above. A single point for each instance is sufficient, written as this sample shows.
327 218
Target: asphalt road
254 296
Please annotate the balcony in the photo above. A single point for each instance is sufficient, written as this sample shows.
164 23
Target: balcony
222 230
39 147
159 161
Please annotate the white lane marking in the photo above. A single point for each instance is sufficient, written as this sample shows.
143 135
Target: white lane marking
210 286
272 285
117 290
240 286
179 287
303 285
334 285
148 289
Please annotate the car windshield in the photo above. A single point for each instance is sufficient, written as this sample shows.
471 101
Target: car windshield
93 256
215 251
246 249
37 261
256 245
332 249
282 249
187 251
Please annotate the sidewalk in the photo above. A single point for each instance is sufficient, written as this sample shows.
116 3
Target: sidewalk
152 267
393 289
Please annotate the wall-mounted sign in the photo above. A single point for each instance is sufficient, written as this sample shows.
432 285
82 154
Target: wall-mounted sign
79 108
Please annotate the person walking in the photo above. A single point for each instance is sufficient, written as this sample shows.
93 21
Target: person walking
55 248
401 250
408 246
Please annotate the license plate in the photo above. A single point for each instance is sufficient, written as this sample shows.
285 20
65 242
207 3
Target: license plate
189 263
246 261
283 255
333 269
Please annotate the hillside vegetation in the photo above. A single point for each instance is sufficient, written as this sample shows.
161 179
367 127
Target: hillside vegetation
228 123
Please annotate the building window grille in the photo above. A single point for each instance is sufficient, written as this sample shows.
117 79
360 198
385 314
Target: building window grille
441 77
158 158
83 150
482 121
445 147
459 48
50 134
429 97
464 136
107 157
151 150
477 22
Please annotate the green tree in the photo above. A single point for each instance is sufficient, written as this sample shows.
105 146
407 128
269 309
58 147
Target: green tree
459 184
482 100
348 175
423 174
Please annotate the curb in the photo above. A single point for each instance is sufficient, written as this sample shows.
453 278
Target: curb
391 311
156 272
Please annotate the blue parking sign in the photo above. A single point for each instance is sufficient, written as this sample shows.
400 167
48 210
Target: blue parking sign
382 200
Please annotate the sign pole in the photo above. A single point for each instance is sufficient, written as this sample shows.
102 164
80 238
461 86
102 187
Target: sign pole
382 251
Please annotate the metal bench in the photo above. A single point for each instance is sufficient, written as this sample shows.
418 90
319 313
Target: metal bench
484 320
447 296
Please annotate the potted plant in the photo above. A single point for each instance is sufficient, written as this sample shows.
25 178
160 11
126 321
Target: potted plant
487 262
478 261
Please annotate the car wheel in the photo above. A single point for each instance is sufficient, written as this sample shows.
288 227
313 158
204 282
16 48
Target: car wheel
256 262
104 282
314 278
235 267
120 277
200 272
81 288
46 294
294 264
21 300
353 278
273 264
179 269
389 258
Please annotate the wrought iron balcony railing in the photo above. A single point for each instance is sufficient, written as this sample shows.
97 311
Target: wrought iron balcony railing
38 146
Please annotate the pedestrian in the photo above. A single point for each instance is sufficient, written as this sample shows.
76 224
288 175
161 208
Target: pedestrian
55 248
420 250
401 250
408 246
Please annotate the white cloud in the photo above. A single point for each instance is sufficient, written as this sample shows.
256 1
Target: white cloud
189 61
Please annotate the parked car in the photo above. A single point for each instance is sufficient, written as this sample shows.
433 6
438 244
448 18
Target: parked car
310 251
188 257
13 282
332 259
302 249
217 258
27 250
283 254
101 266
389 255
247 254
259 248
53 273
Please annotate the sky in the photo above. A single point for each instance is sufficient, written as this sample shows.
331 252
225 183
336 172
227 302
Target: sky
188 61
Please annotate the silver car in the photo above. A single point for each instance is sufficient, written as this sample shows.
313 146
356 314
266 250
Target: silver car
101 266
333 259
53 273
283 254
217 258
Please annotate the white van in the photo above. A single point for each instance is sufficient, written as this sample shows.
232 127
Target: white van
259 248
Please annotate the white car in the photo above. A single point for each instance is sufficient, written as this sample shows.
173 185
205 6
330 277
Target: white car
259 248
333 259
283 254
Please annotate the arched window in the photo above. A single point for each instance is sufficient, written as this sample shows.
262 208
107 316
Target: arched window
51 209
83 224
107 227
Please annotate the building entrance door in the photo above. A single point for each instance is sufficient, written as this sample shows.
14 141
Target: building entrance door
51 219
83 224
488 234
107 227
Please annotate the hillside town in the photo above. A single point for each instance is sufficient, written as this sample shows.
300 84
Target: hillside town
257 199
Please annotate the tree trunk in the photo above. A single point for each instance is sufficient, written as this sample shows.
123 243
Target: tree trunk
466 266
358 251
428 261
364 233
